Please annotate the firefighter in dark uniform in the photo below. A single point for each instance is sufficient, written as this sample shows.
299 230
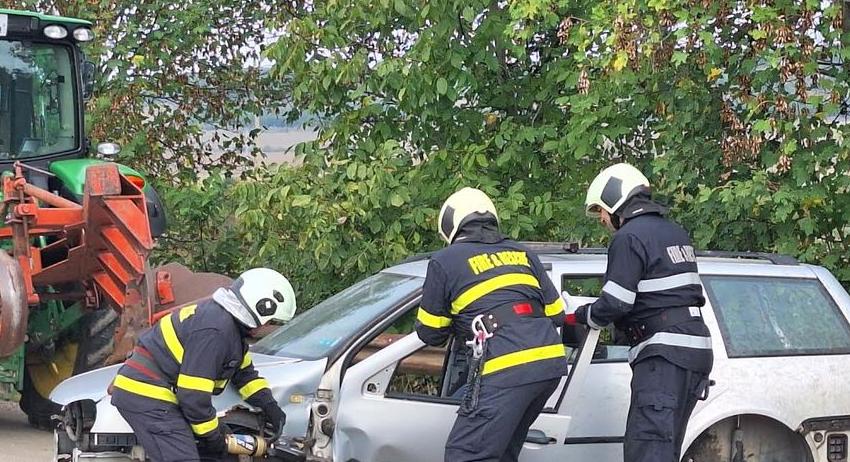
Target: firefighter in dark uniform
484 277
164 390
653 294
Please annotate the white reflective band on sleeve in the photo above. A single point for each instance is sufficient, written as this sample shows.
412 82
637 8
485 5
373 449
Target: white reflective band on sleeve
671 339
670 282
590 321
619 292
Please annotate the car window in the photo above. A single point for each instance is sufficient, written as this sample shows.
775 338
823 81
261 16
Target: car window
612 346
768 316
332 323
402 326
420 374
582 285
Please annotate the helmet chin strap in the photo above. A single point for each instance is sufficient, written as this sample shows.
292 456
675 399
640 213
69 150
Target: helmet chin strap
616 221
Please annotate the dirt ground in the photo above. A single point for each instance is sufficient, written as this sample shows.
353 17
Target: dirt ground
18 441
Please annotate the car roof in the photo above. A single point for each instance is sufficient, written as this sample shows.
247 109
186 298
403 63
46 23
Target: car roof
594 264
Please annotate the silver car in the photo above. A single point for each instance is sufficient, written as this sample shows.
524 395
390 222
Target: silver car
358 385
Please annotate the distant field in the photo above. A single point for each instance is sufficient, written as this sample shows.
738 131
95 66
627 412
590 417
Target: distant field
278 144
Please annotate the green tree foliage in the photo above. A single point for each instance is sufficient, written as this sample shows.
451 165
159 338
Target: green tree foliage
734 109
166 71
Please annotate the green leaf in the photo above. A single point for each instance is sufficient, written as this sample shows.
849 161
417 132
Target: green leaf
300 200
401 8
442 86
758 34
468 14
396 200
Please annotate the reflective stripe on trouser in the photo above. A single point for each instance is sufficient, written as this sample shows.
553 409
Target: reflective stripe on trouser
163 433
671 339
497 428
663 398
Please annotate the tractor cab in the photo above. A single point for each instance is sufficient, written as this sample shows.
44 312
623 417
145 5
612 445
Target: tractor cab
44 81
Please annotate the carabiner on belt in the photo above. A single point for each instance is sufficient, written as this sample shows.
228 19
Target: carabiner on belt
480 334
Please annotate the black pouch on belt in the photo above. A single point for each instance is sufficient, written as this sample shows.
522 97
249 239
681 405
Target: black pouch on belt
645 328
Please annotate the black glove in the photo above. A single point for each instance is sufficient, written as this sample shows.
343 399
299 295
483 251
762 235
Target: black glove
213 445
275 417
581 314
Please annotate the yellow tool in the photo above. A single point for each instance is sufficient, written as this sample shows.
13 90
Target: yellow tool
247 445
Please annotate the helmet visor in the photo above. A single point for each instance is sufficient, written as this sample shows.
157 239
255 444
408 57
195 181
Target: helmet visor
593 210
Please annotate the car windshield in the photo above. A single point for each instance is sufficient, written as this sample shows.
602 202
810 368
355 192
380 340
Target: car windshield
38 113
330 324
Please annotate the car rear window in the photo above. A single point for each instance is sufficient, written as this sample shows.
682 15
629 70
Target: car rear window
769 316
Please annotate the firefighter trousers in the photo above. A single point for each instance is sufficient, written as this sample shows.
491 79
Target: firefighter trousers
663 397
496 429
163 432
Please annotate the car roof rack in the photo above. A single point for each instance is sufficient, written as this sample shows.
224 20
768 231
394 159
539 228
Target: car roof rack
775 258
573 248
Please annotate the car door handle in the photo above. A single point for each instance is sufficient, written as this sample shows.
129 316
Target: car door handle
538 437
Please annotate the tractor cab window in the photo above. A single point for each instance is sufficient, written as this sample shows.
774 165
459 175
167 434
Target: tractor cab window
37 100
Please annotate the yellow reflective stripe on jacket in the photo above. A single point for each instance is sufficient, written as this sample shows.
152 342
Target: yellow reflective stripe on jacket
555 308
253 387
523 357
221 384
189 382
144 389
432 321
205 427
166 325
246 361
499 282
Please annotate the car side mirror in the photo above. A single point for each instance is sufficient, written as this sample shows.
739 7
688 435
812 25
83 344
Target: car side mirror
88 74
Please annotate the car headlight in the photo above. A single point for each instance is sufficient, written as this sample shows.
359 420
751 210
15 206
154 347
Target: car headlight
55 32
83 34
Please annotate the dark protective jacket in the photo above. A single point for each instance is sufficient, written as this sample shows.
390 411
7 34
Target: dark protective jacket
480 272
652 268
187 357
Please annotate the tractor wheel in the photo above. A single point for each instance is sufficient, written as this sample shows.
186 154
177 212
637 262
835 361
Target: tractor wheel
95 344
98 339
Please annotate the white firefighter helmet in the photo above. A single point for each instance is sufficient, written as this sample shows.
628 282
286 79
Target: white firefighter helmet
461 206
267 295
613 187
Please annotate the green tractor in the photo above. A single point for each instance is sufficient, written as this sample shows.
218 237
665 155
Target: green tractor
76 288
